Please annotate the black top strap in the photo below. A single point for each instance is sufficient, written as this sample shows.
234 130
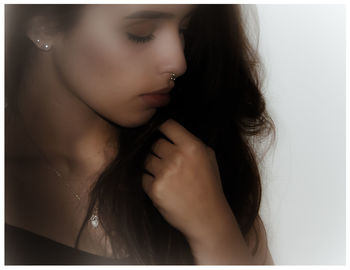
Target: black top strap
23 247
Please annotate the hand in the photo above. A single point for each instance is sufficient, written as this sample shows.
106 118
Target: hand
186 187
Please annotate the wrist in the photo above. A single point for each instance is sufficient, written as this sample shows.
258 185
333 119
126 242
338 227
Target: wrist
217 222
220 241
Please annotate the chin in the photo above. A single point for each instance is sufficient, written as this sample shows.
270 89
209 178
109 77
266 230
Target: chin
138 120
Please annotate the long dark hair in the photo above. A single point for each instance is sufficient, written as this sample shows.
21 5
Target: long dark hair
218 99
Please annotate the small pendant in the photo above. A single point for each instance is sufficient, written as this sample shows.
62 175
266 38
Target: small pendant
94 220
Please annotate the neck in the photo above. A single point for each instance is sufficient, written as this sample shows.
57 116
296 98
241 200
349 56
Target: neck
70 134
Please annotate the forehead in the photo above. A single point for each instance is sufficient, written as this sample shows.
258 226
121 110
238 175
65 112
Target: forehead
176 9
123 10
95 17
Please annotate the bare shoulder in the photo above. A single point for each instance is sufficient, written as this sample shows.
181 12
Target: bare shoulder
261 253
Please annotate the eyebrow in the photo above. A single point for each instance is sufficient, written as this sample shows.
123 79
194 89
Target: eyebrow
152 14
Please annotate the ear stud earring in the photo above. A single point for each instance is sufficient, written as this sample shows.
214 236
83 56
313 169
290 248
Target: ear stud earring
43 46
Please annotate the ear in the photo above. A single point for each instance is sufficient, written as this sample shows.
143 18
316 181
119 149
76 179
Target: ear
41 32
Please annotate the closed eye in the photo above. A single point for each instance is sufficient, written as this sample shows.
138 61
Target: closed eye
140 39
144 39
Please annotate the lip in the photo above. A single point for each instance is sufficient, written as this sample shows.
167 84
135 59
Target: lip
156 100
161 91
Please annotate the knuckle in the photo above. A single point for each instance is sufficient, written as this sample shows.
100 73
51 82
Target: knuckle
161 173
147 164
156 144
177 154
158 190
177 160
175 167
211 150
194 148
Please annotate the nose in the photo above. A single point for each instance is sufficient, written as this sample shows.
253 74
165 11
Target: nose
171 54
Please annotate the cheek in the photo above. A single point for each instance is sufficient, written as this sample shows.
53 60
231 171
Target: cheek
114 66
102 73
108 63
98 60
93 67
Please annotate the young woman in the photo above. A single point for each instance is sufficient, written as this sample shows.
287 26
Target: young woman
128 136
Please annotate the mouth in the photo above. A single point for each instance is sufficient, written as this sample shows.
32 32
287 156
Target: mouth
161 91
156 100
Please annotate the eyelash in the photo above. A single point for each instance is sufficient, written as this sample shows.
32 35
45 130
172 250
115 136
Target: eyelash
138 39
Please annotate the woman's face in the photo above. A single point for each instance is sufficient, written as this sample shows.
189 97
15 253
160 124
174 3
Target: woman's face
117 53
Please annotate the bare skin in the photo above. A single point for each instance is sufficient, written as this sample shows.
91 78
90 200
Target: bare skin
29 182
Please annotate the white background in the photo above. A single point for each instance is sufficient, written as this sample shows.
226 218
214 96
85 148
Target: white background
303 205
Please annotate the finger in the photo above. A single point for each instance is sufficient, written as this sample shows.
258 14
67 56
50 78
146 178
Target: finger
153 164
147 182
162 148
176 132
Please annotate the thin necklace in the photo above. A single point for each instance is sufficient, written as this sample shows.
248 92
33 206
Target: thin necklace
94 220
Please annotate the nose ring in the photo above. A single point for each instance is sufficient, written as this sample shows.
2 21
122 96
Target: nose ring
173 76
